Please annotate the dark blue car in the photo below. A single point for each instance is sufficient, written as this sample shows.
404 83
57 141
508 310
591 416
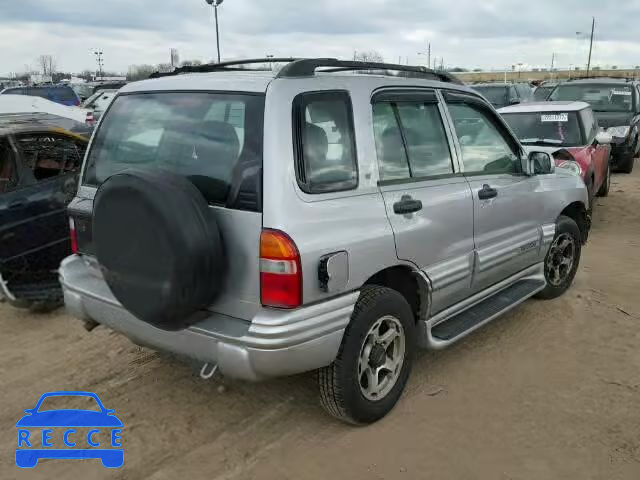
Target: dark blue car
40 158
61 94
67 419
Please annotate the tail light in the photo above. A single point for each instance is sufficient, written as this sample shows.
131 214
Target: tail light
280 271
74 236
90 120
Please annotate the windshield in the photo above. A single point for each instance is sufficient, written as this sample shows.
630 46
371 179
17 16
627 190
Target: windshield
546 128
199 135
496 95
542 93
603 98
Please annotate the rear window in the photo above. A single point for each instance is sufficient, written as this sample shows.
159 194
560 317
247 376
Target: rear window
213 139
55 94
496 95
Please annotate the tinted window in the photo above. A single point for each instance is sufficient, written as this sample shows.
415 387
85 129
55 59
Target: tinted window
64 95
603 98
546 128
484 148
49 155
203 136
325 142
496 95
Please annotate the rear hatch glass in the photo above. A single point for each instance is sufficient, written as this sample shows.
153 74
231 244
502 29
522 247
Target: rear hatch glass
213 139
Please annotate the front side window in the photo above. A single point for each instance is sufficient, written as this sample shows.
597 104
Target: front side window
602 98
202 136
546 128
484 148
410 140
325 142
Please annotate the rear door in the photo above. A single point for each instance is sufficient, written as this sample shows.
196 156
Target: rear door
507 220
34 234
428 201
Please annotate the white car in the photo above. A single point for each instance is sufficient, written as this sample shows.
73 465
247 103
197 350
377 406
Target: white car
29 104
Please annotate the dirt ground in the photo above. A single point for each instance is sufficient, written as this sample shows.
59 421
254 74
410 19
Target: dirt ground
550 391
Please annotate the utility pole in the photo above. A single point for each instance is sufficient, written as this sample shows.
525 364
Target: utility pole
593 28
553 61
215 4
429 56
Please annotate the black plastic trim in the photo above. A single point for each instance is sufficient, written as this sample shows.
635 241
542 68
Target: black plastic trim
402 181
405 95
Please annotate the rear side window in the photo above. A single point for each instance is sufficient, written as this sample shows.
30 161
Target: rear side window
213 139
590 125
410 140
324 140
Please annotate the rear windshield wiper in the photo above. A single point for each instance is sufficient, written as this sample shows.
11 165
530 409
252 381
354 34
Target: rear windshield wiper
549 141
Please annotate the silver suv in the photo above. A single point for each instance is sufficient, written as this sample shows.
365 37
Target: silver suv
332 216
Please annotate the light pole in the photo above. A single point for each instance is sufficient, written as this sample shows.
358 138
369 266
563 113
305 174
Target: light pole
99 60
427 54
215 4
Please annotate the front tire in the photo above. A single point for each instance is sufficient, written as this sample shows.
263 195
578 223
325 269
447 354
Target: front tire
563 259
373 364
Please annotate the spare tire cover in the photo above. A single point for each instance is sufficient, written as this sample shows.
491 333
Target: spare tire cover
158 245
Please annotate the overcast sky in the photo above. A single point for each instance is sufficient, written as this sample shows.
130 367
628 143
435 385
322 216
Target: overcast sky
469 33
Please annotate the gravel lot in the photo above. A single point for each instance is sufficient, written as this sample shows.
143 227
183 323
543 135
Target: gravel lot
550 391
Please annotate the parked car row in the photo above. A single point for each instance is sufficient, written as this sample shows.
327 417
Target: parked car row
269 223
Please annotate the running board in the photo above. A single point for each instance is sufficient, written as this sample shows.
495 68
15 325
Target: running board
460 325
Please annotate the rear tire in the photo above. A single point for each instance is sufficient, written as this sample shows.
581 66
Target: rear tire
606 184
345 392
563 258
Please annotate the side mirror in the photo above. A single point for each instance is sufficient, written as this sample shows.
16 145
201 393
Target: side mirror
514 101
603 138
29 410
540 163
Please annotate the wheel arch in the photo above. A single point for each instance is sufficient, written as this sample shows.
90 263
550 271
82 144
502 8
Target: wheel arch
410 282
579 213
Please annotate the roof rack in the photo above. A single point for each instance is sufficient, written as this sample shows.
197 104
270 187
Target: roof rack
307 67
602 77
232 66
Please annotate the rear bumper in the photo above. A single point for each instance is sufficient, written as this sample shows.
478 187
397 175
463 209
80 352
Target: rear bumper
274 343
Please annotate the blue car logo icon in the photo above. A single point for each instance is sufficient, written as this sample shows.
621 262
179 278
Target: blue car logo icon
100 422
